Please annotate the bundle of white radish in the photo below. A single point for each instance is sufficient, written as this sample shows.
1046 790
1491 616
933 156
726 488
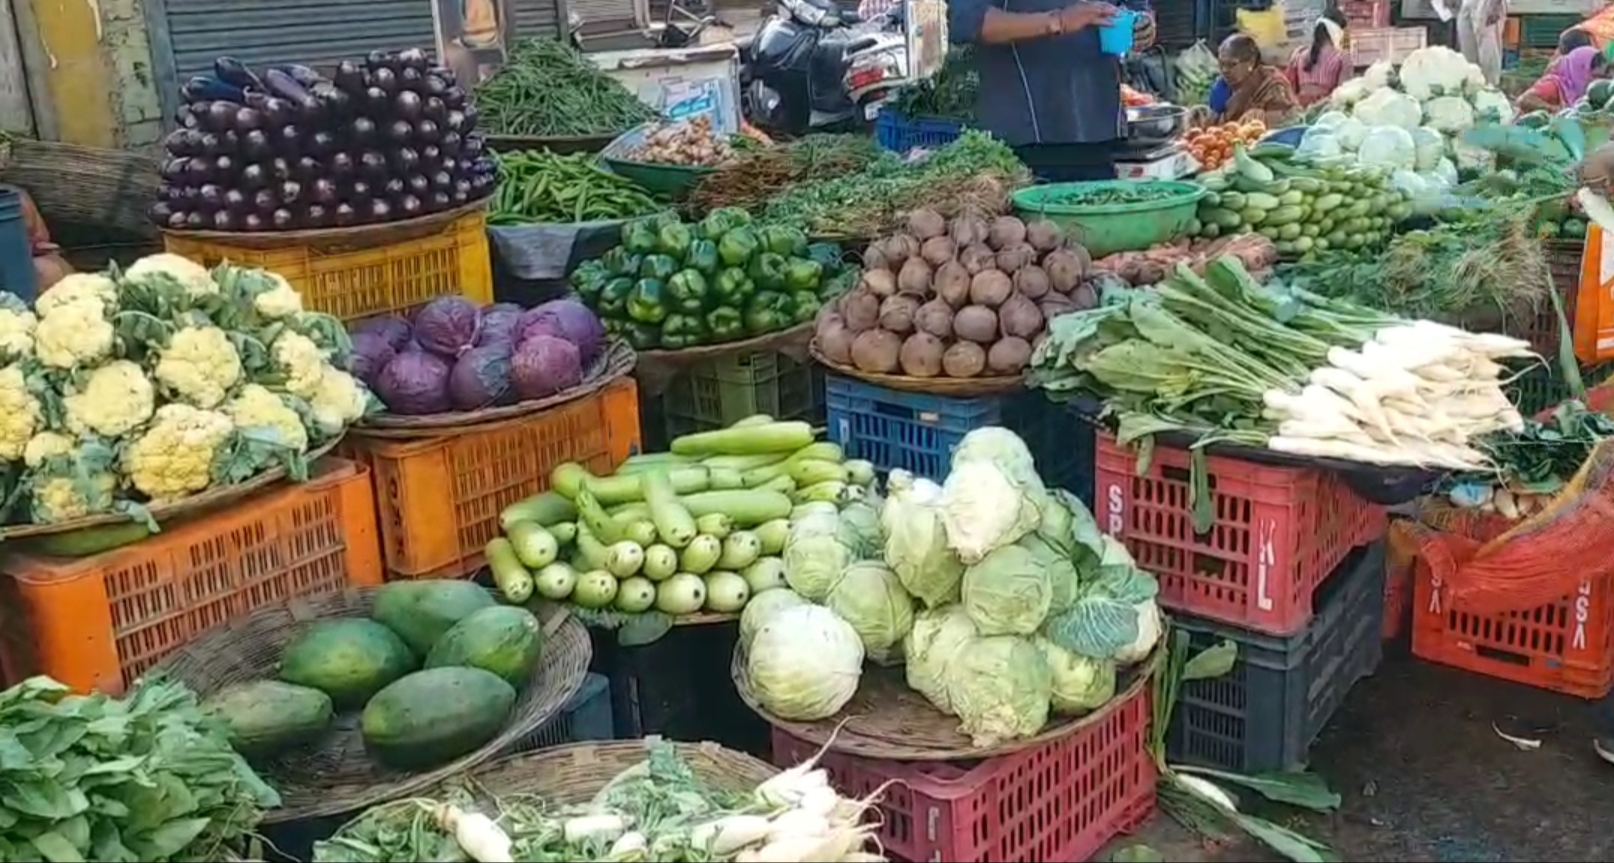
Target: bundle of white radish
1508 502
654 812
1416 394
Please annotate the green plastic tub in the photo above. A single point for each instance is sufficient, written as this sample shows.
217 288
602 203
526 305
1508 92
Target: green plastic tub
667 181
1105 229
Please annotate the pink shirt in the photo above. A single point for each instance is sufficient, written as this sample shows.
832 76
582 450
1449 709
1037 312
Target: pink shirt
1317 83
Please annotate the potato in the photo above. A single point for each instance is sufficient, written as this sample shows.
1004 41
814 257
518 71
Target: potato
1011 259
968 229
1055 304
876 351
881 283
951 282
926 224
914 278
978 324
835 340
964 360
938 250
1066 268
1019 317
1084 297
1006 233
1008 356
936 318
977 257
861 310
990 288
874 258
1044 235
921 355
897 314
899 248
1032 281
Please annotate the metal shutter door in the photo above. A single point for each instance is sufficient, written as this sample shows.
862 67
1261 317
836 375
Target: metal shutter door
537 18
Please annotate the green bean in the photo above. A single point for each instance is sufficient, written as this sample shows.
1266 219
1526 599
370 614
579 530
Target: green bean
547 89
539 186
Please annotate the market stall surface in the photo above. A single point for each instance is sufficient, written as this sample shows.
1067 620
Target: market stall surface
1426 777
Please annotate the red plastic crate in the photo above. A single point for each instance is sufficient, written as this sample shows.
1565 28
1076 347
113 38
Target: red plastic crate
1565 646
1063 800
1278 532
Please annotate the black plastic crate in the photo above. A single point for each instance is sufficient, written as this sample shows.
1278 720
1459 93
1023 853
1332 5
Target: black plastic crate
1264 714
668 687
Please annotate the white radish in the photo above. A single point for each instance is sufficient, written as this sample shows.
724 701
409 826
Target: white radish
797 822
786 787
1357 390
796 849
820 801
596 828
1505 504
631 845
1388 378
475 833
727 835
1208 791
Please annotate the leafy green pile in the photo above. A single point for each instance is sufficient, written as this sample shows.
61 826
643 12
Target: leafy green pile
145 778
1545 454
947 95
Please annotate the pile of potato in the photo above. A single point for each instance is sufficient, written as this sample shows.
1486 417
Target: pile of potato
961 299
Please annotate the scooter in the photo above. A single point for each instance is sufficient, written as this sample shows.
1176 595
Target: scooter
813 67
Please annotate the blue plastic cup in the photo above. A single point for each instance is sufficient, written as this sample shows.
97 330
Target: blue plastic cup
1116 36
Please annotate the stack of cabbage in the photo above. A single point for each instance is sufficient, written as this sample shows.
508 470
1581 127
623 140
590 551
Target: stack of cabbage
1407 119
1001 597
147 386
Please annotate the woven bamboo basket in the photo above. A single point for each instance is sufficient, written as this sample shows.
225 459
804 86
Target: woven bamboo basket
335 774
87 185
937 386
656 369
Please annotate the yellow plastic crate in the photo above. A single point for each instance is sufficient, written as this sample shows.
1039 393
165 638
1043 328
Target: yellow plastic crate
357 273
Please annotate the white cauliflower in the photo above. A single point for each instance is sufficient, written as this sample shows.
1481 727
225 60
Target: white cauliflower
256 407
19 413
57 466
77 287
16 333
301 361
174 457
338 402
193 277
74 335
1437 71
279 301
1386 107
199 366
1492 105
114 399
1448 115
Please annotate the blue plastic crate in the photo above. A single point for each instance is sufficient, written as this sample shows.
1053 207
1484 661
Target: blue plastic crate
917 432
900 134
586 717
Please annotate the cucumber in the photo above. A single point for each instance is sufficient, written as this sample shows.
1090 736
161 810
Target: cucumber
1261 201
511 577
546 508
723 478
747 508
1283 216
673 521
746 440
1291 198
1328 202
1253 216
1221 218
1250 167
534 546
1233 201
1215 182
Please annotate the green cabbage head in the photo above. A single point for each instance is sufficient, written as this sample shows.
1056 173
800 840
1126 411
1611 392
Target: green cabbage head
815 555
1010 591
937 636
992 496
1000 687
916 541
1081 684
804 664
869 597
762 607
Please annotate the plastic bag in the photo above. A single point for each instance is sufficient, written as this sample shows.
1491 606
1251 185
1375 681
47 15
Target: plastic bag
1318 144
1387 147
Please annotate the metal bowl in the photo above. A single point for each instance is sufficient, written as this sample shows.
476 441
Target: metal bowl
1155 123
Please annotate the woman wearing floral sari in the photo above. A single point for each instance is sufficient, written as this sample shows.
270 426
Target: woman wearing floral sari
1256 91
1565 81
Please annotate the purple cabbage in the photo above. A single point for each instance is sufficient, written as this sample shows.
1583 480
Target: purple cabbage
544 365
481 377
569 320
414 383
371 353
500 323
447 326
390 327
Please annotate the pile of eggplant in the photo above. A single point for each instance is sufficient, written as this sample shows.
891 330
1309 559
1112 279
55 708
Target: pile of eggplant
390 139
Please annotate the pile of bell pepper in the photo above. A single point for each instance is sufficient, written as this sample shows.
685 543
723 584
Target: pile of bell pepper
672 285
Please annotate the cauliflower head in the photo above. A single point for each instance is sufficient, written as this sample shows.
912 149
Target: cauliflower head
189 275
338 402
279 300
199 366
301 361
173 458
74 335
112 401
76 288
67 480
20 413
16 334
256 407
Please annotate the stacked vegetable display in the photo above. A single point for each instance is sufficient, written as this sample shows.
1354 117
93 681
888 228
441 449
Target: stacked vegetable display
453 356
699 528
435 672
657 811
960 299
672 285
392 138
1001 598
1302 208
140 388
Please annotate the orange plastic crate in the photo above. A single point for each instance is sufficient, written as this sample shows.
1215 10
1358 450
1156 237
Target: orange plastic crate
1278 532
1400 558
352 278
98 622
439 499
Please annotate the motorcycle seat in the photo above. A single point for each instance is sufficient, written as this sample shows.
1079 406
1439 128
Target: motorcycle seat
858 43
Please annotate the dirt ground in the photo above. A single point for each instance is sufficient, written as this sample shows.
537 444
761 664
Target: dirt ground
1425 777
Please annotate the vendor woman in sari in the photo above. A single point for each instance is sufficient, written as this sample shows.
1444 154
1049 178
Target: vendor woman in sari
1255 90
1566 80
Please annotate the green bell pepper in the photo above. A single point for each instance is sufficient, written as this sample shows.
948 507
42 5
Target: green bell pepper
725 325
722 220
643 337
732 288
687 291
682 331
614 297
806 305
738 247
768 312
614 327
828 256
639 236
783 241
674 240
767 271
703 257
803 274
647 303
620 262
588 279
657 267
